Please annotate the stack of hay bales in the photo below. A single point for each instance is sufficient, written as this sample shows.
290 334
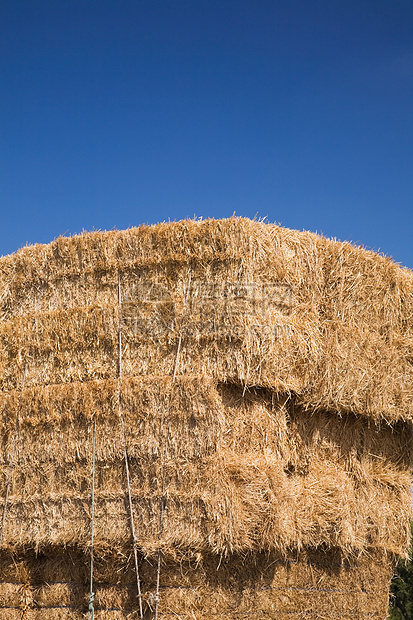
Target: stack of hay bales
264 379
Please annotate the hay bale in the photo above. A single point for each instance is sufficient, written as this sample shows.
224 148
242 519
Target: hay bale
311 583
288 426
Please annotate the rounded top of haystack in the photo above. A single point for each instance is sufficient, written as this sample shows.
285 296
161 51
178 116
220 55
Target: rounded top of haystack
254 304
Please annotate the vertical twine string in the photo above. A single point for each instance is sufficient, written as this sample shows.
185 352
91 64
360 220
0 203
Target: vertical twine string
165 457
11 466
91 613
125 453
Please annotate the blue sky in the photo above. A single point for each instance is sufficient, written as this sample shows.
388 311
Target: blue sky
115 113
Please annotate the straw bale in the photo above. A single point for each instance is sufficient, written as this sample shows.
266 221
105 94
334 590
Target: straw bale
241 339
245 471
289 426
342 341
367 315
175 244
313 583
55 342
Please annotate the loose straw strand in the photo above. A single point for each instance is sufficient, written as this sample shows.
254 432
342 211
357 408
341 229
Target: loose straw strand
11 466
165 456
125 454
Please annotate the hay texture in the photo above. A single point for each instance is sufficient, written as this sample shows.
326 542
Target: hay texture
313 584
264 379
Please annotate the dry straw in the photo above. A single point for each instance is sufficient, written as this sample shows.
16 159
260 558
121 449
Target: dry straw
289 410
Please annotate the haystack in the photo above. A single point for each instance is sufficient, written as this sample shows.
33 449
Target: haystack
218 413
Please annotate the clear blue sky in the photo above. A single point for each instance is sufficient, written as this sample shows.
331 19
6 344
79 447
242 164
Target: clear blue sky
119 112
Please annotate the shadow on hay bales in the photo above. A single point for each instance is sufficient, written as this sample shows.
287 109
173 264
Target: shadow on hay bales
319 583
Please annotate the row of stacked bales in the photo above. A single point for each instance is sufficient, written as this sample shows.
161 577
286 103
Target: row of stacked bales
282 446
